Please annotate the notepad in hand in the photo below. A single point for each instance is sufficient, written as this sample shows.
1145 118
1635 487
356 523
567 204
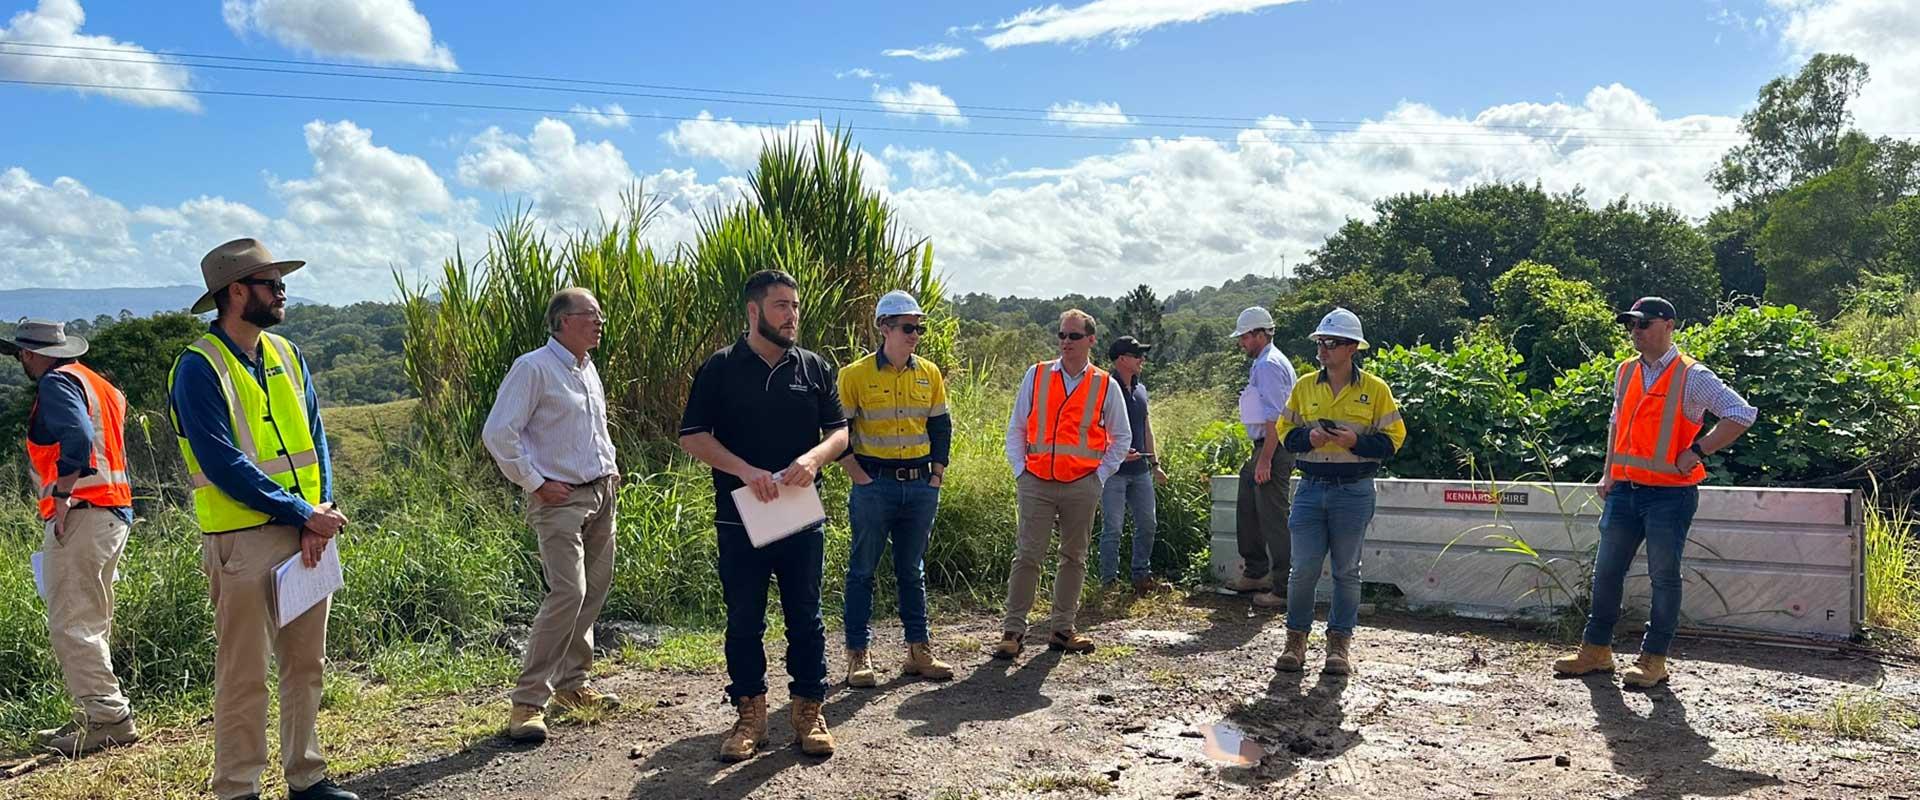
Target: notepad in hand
298 588
796 509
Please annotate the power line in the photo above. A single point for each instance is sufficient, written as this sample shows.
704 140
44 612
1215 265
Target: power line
778 99
1264 139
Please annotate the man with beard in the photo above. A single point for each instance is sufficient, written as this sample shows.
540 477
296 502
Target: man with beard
548 433
248 420
757 414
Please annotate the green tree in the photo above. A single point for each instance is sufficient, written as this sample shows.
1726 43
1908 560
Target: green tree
1395 308
137 354
1822 234
1795 132
1555 323
1730 232
1632 250
1138 314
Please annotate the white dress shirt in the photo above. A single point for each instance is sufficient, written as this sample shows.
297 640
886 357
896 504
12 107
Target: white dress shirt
1113 415
549 421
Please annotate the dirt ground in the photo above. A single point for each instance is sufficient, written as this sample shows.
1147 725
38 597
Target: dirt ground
1440 708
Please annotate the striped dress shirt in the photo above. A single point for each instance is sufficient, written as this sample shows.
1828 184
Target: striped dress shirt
1705 392
549 421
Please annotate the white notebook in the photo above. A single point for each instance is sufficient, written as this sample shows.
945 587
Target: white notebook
796 509
298 588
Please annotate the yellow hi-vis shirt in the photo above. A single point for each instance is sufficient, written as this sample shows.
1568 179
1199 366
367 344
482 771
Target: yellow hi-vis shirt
1365 406
888 406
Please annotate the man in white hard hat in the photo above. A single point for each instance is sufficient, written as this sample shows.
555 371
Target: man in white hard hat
1261 511
896 408
1342 421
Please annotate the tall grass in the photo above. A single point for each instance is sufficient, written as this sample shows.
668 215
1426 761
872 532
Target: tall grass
1893 567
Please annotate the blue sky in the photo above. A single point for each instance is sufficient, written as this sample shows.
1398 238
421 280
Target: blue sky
1633 98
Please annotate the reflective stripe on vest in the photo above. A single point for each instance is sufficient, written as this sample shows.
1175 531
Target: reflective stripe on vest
270 428
1645 440
1051 455
109 486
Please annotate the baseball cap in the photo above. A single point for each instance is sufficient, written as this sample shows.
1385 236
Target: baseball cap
1646 308
1127 346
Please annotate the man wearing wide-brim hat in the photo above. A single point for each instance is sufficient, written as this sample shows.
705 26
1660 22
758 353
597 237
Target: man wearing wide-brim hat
248 421
77 447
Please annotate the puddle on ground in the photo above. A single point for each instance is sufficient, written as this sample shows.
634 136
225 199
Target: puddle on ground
1159 638
1225 743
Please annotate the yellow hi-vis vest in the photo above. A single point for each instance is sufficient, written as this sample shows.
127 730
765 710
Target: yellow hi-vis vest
270 427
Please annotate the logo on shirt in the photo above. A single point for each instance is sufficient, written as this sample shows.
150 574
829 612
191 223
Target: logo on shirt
1363 399
276 371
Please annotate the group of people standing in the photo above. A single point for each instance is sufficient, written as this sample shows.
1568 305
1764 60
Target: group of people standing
769 415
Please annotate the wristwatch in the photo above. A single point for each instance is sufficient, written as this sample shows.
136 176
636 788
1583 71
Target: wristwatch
60 494
1695 447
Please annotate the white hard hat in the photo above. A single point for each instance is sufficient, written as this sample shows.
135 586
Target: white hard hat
1252 319
896 303
1342 323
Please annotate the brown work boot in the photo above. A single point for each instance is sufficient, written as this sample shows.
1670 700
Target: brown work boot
1295 654
1146 585
1339 654
1590 658
1070 641
920 661
90 736
1647 671
810 728
749 731
1010 645
586 696
860 670
527 723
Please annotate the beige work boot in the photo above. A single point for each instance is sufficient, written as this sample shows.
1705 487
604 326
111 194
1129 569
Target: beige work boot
1590 658
90 736
1339 654
527 723
860 670
44 735
1245 584
1270 600
1295 654
1647 671
749 731
810 728
920 661
1010 645
1071 641
586 696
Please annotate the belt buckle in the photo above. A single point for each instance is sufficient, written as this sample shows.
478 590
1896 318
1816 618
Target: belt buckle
904 474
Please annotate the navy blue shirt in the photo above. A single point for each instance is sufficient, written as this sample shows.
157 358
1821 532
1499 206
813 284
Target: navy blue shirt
1136 397
202 413
60 417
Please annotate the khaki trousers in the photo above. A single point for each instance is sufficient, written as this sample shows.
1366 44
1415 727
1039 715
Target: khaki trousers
239 567
1045 504
79 575
576 554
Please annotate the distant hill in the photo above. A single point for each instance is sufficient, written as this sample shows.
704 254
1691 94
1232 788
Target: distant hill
71 304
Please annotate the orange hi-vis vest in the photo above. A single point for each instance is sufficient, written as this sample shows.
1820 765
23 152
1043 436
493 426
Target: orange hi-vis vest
1648 431
1066 433
108 486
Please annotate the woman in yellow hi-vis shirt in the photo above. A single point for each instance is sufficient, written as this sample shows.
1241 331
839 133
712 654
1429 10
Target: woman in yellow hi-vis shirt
1341 422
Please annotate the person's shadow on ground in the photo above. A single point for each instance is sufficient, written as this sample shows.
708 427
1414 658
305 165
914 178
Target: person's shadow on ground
994 691
1289 724
1662 751
691 767
397 782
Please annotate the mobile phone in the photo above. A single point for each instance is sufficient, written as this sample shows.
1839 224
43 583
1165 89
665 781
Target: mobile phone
1328 425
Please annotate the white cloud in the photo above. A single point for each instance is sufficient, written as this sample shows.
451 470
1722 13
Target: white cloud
737 146
1883 33
1119 21
610 115
58 22
377 31
928 52
1076 114
1181 213
929 167
917 99
859 72
360 184
572 184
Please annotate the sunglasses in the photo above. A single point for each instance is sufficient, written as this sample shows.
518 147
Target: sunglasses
911 329
1065 335
1641 324
1329 344
597 319
274 285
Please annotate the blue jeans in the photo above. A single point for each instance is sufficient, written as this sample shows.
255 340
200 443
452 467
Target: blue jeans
1660 516
797 563
1328 519
901 512
1123 493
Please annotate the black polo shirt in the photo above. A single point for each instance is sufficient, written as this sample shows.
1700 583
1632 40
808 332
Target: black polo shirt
766 415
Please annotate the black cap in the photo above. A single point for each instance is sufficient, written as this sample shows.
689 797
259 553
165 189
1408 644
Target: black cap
1646 308
1127 346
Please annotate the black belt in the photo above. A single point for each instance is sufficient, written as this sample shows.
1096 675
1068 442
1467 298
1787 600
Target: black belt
1335 479
1632 485
594 482
902 474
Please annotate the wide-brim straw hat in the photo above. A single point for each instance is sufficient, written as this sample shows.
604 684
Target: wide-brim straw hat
46 337
232 261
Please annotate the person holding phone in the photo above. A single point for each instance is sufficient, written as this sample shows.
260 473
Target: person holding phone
1131 487
1341 422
